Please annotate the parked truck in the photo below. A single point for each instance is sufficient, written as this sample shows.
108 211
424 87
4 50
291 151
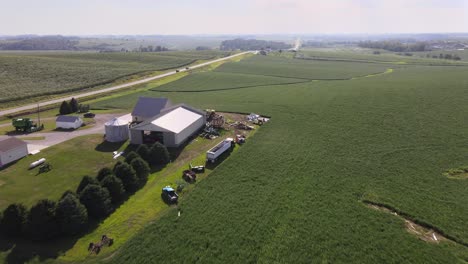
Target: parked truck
220 148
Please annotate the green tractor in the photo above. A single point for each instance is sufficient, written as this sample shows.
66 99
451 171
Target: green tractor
26 125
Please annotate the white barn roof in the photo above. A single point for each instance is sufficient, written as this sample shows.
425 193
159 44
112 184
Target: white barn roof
176 120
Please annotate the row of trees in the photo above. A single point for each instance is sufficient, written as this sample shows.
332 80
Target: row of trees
395 46
151 48
72 107
95 197
252 44
444 56
41 43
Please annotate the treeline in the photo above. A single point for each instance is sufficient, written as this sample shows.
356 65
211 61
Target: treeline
444 56
95 198
151 48
252 44
41 43
395 46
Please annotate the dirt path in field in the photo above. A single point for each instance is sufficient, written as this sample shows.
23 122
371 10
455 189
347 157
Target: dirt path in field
57 137
116 87
423 231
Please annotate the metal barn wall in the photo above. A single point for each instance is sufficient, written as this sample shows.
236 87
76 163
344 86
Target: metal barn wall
183 135
13 155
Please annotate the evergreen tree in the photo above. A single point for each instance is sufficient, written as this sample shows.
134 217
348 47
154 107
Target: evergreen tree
85 181
131 156
159 155
142 170
42 223
103 173
97 200
144 152
115 187
127 174
74 105
14 220
65 108
72 216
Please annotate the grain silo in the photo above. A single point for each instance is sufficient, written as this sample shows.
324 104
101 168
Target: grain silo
117 129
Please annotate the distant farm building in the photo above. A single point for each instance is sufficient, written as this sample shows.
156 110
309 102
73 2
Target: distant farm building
68 122
117 128
12 149
172 126
148 107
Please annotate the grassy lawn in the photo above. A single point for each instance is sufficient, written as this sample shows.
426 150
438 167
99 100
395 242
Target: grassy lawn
70 160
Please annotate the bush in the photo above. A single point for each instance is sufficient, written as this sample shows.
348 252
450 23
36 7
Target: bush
103 173
97 200
65 108
144 152
142 170
127 174
115 187
87 180
131 156
14 220
42 223
158 154
72 216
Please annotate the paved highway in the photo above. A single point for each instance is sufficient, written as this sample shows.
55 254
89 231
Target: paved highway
113 88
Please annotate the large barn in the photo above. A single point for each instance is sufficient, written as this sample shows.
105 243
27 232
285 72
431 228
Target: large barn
172 126
12 149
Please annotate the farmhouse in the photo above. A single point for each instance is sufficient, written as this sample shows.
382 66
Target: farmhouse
68 122
148 107
12 149
172 126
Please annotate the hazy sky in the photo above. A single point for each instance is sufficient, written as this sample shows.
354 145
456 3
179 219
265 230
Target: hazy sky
87 17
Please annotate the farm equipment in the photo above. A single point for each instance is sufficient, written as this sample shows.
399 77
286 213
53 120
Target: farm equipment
197 169
220 148
96 247
209 132
189 176
45 168
26 125
240 139
214 119
169 195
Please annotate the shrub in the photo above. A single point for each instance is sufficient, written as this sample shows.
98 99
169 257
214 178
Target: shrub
103 173
115 187
87 180
42 223
142 169
144 152
158 154
97 200
127 174
14 220
131 156
72 216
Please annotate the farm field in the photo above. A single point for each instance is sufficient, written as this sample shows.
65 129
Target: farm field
296 191
33 74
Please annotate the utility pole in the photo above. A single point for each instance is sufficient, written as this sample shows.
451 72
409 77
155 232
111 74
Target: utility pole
38 116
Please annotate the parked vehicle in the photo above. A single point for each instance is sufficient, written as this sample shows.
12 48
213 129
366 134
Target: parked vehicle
26 125
189 176
216 151
169 195
197 169
89 115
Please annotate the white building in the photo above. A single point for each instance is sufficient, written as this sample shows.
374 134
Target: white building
12 149
68 122
172 127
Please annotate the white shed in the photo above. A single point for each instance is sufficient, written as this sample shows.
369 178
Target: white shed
68 122
172 127
117 129
12 149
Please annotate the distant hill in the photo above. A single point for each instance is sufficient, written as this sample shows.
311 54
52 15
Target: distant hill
252 44
40 43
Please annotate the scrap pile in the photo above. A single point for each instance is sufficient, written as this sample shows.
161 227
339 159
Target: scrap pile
209 132
96 247
257 119
214 119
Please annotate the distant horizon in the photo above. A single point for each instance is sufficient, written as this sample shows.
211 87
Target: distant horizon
242 17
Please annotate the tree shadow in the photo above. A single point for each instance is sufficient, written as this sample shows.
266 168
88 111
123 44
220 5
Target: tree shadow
22 250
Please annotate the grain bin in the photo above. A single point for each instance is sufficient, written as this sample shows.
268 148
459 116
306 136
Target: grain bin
117 130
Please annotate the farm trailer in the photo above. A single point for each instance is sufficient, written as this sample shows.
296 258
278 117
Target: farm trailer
220 148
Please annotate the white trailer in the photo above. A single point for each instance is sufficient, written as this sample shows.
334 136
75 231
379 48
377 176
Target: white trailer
216 151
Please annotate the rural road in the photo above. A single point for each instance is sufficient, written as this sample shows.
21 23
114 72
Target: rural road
113 88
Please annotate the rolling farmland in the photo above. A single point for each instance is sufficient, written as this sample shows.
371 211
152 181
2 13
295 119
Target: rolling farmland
295 192
33 74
